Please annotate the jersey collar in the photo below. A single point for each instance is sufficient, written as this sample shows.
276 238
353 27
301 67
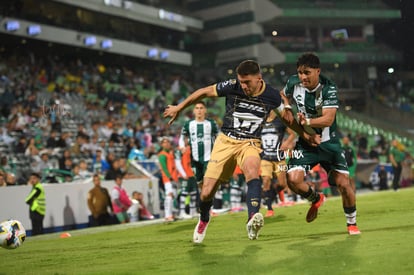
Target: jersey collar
314 89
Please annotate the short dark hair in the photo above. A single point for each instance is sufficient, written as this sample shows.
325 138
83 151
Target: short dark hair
309 59
248 67
200 102
37 175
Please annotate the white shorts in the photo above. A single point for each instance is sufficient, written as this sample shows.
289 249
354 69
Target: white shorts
169 189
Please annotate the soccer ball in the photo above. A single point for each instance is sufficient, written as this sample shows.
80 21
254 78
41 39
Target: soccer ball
12 234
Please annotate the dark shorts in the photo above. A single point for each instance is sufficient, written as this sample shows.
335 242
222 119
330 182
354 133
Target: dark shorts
329 154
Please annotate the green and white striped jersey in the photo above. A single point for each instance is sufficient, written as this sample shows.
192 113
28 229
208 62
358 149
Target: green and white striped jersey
312 102
201 137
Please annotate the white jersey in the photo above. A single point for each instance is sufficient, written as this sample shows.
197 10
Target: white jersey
201 136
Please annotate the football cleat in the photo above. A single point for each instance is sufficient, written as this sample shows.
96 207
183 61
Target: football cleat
269 213
313 210
353 230
200 231
254 225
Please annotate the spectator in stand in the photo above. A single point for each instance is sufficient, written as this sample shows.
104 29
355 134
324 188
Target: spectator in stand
110 148
75 148
105 130
67 169
90 146
129 144
11 179
52 140
5 137
136 153
5 166
63 164
21 145
75 173
128 131
114 170
31 149
93 129
84 172
44 164
64 140
82 131
110 157
124 167
120 201
116 135
99 164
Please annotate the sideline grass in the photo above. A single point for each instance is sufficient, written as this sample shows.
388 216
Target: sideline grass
287 244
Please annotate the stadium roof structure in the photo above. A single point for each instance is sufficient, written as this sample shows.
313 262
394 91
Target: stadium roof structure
275 32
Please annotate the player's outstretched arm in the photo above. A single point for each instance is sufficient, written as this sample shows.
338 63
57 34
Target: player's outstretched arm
310 137
289 142
287 112
173 111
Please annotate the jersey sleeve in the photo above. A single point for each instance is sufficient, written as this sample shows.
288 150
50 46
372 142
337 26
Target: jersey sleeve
225 86
330 97
290 84
214 128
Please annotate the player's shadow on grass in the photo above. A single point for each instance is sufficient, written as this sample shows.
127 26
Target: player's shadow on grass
179 226
307 256
275 219
222 263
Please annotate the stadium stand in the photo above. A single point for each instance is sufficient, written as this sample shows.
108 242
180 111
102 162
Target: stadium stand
46 85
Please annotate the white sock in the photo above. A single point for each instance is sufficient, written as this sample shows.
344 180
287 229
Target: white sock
351 217
168 206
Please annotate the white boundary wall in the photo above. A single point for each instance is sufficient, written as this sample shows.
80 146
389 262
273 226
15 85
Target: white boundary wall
66 203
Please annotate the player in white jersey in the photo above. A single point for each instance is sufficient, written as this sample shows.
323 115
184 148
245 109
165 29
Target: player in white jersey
200 133
315 98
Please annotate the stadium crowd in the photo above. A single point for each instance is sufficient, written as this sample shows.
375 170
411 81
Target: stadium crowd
57 116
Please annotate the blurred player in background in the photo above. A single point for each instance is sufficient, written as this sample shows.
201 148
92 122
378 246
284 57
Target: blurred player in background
200 133
187 194
275 149
169 175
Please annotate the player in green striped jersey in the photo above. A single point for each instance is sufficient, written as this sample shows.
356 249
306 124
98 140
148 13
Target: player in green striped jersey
200 134
315 98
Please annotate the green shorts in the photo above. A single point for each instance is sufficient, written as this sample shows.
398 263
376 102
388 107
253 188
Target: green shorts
329 154
188 185
199 168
